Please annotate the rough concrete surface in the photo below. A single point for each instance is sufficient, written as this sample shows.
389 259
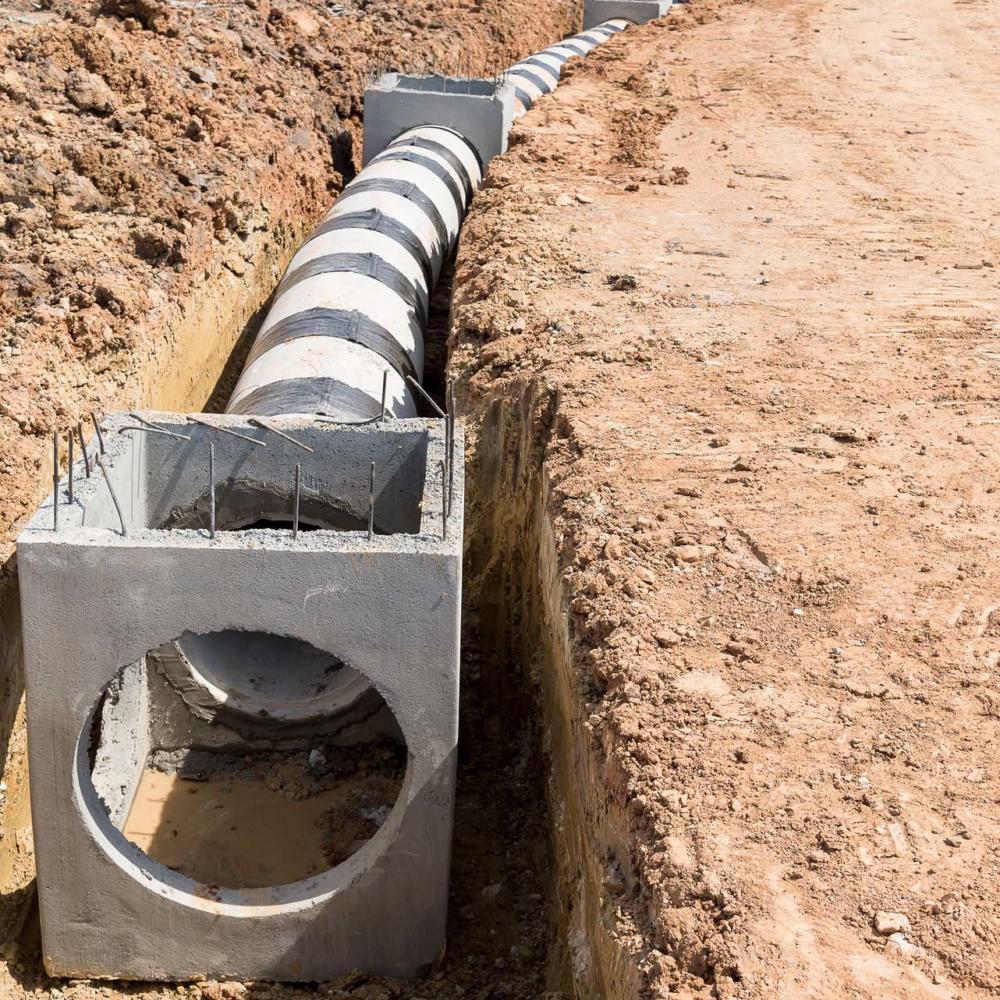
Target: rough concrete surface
480 111
388 606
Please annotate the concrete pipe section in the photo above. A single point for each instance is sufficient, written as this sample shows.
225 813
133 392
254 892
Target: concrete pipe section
539 74
353 304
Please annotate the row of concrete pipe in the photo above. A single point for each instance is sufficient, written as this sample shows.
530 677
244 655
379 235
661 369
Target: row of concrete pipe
345 333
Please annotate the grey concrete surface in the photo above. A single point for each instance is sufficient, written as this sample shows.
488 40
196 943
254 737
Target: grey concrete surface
124 746
596 12
481 111
95 600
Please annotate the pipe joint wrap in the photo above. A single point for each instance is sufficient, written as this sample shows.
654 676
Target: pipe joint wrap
353 304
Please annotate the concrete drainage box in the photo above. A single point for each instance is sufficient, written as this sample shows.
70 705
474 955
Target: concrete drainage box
480 111
596 12
246 652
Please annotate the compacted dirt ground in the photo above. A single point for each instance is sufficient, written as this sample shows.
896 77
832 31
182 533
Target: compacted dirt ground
737 279
747 263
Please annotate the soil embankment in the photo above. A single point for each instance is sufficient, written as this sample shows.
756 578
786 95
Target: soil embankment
725 331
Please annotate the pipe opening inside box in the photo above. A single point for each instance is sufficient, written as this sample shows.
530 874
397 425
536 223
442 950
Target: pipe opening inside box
244 760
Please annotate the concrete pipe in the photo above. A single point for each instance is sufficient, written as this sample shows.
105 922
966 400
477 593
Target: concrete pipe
539 74
353 304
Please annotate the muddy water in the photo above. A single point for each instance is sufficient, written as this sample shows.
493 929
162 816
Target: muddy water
230 832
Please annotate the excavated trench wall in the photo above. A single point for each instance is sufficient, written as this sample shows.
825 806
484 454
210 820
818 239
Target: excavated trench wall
515 594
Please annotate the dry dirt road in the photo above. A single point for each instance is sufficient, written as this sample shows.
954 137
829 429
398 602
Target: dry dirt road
750 258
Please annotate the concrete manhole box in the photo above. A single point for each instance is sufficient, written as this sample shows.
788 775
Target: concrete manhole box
105 593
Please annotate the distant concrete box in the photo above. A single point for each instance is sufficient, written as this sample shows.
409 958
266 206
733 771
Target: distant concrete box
596 12
481 111
101 591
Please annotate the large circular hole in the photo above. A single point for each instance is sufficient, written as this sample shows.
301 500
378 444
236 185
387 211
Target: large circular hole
244 759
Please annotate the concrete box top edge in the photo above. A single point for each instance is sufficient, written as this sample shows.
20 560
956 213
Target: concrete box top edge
438 83
142 462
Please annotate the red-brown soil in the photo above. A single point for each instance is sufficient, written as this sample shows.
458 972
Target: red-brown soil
734 291
723 336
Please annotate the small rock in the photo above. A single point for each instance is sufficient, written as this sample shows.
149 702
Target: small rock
12 85
202 74
688 491
89 92
887 923
584 199
563 200
898 945
667 638
622 282
302 22
692 553
317 759
613 548
79 193
492 892
518 325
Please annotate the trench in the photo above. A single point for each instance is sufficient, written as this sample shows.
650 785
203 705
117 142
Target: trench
532 895
507 921
516 604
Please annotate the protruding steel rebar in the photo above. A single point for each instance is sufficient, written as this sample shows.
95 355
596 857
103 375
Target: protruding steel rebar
153 430
295 505
371 501
447 434
55 480
257 422
114 496
83 447
423 392
444 502
69 437
227 430
385 386
211 490
97 427
147 423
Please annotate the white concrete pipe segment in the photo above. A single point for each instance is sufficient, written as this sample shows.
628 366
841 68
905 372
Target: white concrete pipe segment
539 74
353 304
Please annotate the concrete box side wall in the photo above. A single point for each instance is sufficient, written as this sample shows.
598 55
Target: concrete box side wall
124 741
391 109
338 467
395 616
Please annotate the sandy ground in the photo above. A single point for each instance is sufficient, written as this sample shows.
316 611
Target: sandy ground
754 264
